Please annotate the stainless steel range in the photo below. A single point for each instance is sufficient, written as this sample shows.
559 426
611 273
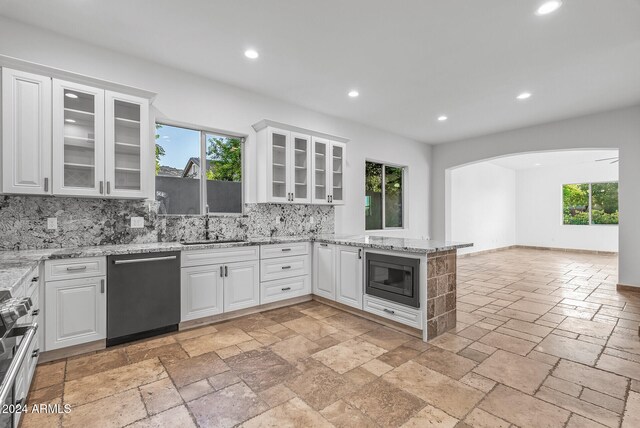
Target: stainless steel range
16 353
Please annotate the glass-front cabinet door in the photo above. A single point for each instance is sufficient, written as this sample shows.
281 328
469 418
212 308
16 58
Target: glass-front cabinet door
78 139
320 173
278 165
127 149
301 163
337 163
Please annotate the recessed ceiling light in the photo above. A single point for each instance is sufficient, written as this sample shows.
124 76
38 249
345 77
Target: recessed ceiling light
71 95
70 121
353 93
442 118
524 96
251 54
548 7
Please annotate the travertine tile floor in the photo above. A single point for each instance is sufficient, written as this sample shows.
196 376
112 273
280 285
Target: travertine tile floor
543 340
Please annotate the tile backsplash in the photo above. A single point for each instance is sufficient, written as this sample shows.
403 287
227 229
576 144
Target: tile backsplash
82 222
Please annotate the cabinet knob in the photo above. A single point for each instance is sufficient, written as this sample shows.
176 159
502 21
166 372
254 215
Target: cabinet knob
35 312
35 279
35 353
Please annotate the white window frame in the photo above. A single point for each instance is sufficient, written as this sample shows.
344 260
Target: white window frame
204 131
591 183
405 170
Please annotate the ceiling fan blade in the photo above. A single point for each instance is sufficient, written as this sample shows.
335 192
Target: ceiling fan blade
604 159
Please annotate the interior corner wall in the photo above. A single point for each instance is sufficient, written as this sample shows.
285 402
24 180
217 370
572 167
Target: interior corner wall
539 208
189 98
482 206
615 129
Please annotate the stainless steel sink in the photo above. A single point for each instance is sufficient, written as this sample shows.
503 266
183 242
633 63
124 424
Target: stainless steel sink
222 241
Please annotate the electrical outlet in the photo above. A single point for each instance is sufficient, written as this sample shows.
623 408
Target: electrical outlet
312 220
137 222
52 223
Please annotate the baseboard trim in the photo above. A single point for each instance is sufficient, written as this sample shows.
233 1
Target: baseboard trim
71 351
533 247
627 287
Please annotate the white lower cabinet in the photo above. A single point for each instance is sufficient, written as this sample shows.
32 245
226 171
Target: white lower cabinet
201 291
287 288
216 281
324 259
241 285
75 311
285 271
349 272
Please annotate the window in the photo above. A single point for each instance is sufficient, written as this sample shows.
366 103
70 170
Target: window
590 203
197 171
384 196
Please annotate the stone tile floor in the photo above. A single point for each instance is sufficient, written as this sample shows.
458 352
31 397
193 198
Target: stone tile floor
543 340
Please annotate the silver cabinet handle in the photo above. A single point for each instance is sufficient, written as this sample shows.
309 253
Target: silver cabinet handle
35 312
389 311
286 249
101 187
76 268
108 187
35 279
150 259
46 184
102 286
286 289
35 353
221 271
360 253
286 267
226 271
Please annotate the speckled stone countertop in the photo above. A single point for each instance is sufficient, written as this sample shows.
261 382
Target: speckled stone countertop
409 245
15 266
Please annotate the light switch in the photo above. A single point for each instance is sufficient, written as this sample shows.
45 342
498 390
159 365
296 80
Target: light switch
52 223
137 222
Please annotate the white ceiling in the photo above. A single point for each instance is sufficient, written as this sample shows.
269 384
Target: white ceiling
411 60
559 158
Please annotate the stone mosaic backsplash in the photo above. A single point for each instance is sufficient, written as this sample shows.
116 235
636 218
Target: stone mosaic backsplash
82 222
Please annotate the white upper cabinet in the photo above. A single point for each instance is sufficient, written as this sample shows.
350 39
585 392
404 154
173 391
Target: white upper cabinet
298 166
78 139
127 145
26 133
337 163
65 138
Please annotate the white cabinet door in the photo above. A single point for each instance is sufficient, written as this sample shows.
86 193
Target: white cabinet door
278 165
337 165
301 168
349 284
128 146
321 177
26 133
78 139
76 312
241 285
324 270
201 291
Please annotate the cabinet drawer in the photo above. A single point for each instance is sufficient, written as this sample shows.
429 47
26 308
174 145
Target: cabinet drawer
284 267
402 314
273 291
75 268
219 256
272 251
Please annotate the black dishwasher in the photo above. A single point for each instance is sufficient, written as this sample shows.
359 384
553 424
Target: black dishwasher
143 295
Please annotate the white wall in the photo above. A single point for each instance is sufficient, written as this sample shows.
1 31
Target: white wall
483 206
193 99
539 208
614 129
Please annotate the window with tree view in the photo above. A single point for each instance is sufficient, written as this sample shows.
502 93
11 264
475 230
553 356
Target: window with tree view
384 196
197 171
590 203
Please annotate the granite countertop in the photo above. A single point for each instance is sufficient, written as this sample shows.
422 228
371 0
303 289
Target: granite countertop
15 266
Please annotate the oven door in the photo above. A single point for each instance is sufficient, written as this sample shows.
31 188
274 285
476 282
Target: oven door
394 278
